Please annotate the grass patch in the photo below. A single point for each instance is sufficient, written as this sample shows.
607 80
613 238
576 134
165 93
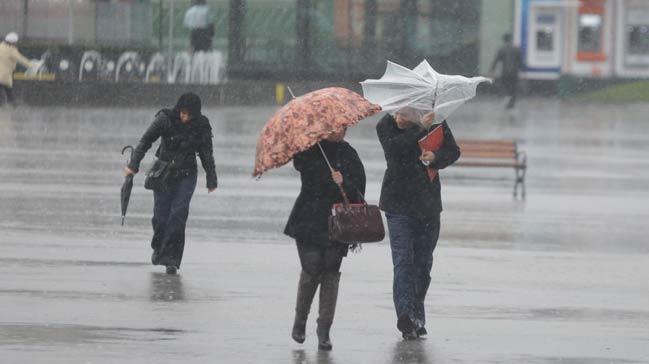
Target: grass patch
630 92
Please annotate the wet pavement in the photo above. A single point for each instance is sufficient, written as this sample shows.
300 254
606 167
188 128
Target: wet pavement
558 278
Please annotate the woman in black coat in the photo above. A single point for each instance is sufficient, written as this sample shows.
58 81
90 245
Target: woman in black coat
320 257
412 205
185 133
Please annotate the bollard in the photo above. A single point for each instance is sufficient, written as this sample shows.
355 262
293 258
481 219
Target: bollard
280 95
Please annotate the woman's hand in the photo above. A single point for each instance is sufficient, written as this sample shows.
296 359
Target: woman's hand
428 119
427 156
128 172
337 177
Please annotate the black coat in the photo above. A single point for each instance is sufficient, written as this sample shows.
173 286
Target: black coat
510 57
308 222
180 143
406 189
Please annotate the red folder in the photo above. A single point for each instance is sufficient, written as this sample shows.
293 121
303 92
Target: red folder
432 142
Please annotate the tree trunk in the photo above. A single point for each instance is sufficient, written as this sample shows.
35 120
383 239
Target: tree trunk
236 32
303 35
369 28
407 30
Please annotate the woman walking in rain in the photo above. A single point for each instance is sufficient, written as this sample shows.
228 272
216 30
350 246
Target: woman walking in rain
185 132
320 257
419 101
412 205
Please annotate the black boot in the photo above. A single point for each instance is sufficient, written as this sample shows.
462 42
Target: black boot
407 327
328 298
305 291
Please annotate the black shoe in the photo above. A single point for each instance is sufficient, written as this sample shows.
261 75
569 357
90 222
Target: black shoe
325 346
324 342
407 327
404 323
299 332
422 331
409 335
171 269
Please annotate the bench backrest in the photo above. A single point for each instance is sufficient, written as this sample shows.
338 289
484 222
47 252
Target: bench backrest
498 149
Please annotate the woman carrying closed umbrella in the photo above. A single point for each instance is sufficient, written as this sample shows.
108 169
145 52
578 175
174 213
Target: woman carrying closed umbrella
320 257
185 132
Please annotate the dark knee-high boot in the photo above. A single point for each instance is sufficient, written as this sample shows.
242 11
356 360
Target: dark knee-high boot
305 291
328 298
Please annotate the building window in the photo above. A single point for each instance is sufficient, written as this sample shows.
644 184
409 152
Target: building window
590 33
638 39
637 34
545 32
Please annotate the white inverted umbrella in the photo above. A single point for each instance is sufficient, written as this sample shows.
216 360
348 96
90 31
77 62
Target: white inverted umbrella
421 88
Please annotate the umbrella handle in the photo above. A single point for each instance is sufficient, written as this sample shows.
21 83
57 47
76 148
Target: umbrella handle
345 199
131 155
331 169
290 91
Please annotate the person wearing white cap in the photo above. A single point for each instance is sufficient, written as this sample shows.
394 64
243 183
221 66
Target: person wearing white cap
9 56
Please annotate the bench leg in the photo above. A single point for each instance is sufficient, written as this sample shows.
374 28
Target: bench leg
520 180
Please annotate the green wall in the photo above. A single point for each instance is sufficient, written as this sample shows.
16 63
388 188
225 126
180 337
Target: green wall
497 18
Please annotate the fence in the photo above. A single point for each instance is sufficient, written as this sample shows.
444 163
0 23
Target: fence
266 38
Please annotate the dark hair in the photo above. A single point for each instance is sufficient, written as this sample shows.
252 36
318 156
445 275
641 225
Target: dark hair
189 101
507 37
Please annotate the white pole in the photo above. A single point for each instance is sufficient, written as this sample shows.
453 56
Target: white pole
171 33
70 23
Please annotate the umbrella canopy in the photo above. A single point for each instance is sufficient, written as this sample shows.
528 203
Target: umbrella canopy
305 121
127 186
421 88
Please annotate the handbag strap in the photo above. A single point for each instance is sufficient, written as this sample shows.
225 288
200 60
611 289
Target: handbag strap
361 196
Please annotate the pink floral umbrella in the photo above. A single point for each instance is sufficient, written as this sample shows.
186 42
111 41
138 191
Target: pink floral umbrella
305 121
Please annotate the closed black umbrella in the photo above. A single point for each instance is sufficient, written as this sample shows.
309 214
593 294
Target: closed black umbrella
127 186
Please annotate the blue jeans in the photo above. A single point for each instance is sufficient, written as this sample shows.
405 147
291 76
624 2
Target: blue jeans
170 212
412 242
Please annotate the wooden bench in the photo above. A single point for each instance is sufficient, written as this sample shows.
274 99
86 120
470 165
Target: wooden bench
495 154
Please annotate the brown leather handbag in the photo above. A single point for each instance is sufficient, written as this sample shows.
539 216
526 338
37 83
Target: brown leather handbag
355 223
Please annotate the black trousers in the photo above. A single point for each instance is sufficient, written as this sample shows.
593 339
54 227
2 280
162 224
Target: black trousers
201 39
510 87
318 259
170 212
10 94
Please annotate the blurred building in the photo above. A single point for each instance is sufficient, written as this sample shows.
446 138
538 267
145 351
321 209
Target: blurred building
587 38
275 38
351 39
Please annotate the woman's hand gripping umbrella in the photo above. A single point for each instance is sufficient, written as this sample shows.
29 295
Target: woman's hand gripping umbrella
127 186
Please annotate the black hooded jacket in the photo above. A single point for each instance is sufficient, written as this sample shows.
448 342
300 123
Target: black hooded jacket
406 189
180 142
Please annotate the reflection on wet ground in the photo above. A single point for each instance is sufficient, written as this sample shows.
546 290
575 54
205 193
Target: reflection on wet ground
412 352
53 335
166 287
556 278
